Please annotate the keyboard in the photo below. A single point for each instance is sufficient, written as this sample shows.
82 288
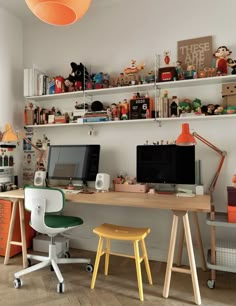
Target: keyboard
71 191
185 195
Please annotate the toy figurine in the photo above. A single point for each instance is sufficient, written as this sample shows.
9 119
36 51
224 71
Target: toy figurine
133 68
221 55
232 64
190 73
124 110
167 57
179 70
114 112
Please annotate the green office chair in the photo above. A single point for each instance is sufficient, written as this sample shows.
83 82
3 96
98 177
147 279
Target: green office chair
45 204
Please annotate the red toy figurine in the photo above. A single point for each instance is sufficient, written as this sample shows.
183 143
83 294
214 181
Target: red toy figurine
221 55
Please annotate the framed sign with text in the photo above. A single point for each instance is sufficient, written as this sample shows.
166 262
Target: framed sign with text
196 51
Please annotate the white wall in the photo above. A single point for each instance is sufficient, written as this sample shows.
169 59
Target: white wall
106 39
11 63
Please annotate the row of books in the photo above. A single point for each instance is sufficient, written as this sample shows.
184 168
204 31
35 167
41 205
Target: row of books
36 82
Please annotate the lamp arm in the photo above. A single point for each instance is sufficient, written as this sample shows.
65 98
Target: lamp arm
209 144
221 153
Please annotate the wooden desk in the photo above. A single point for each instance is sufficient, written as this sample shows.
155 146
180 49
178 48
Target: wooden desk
180 206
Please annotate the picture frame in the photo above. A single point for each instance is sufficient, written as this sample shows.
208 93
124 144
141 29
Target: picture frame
197 52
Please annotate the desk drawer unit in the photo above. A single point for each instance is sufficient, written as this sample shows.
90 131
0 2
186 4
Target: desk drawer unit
5 217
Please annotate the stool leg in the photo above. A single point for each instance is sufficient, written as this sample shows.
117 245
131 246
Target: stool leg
138 269
107 256
98 256
146 262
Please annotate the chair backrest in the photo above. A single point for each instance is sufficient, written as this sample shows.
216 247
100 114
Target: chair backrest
54 197
40 201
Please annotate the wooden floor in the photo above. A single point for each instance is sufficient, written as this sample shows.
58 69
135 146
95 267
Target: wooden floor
118 288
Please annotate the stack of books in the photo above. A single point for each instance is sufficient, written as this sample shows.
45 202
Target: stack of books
95 116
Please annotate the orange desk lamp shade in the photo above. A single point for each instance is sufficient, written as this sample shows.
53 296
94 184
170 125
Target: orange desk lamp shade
59 12
9 135
185 138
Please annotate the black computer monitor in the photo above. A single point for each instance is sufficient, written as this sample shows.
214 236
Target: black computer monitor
166 164
76 162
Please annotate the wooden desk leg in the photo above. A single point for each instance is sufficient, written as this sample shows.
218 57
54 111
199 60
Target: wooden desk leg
181 246
169 266
192 263
22 230
10 232
22 243
199 242
170 258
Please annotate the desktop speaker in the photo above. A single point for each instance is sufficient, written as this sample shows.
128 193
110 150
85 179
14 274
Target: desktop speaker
40 178
102 182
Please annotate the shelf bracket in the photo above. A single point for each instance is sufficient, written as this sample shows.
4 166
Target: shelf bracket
158 122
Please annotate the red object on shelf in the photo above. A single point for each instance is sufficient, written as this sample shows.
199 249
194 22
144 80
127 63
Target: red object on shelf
231 214
59 84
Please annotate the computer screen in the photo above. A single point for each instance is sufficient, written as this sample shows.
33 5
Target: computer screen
170 164
77 162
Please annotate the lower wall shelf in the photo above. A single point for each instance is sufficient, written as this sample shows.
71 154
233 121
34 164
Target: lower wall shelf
219 267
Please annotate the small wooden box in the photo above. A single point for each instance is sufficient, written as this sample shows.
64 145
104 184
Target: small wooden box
229 94
131 188
60 119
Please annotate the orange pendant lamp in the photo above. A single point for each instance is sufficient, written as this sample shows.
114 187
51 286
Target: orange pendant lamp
59 12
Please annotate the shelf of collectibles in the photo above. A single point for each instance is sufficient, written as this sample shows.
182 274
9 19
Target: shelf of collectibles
133 108
74 98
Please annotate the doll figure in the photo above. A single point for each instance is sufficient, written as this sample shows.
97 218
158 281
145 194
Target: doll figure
114 112
221 55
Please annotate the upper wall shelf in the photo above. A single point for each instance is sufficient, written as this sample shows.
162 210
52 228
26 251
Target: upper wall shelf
137 88
94 92
198 82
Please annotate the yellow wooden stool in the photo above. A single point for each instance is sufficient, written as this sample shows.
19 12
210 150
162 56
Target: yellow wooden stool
117 232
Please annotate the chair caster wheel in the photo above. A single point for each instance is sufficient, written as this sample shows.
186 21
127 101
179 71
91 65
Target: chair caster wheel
211 284
29 262
60 288
66 255
89 268
17 283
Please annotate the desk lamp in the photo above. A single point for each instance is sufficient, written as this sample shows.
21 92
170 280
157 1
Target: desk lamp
10 136
188 139
58 12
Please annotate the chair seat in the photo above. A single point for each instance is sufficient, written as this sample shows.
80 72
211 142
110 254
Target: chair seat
121 232
58 221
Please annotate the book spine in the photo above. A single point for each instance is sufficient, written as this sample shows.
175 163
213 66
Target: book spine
26 82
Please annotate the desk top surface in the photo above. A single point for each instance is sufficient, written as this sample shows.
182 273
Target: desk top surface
127 199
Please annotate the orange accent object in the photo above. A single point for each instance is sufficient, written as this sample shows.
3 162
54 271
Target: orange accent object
231 214
185 138
234 178
59 12
5 216
9 135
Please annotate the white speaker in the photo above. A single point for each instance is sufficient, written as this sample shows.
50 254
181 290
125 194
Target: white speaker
199 190
102 182
40 178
